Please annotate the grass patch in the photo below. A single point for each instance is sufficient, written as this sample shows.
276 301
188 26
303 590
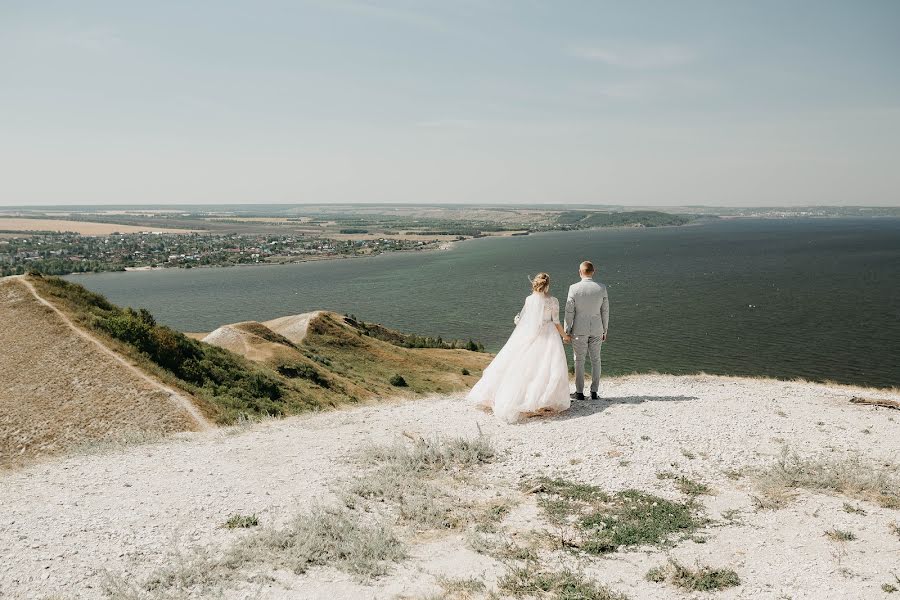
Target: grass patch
688 487
529 581
855 510
461 587
241 522
402 474
601 522
894 528
852 477
703 579
840 535
501 547
326 537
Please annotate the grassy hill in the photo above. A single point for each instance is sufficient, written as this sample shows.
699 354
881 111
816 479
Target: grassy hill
59 390
336 362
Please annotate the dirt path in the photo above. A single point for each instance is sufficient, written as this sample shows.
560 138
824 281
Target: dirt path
182 401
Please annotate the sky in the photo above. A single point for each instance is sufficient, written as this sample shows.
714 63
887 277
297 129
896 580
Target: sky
716 102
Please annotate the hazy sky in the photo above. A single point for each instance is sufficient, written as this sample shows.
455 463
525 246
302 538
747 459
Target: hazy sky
715 102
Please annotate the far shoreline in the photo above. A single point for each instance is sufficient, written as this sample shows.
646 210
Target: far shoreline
436 246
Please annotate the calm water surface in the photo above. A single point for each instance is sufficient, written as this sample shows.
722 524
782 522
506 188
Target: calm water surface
787 298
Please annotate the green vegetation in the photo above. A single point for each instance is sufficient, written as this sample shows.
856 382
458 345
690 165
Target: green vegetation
582 219
704 579
397 380
529 581
229 384
379 332
857 510
334 364
840 535
686 486
241 521
601 522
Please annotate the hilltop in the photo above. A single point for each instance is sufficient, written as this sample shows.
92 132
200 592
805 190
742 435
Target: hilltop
668 486
78 370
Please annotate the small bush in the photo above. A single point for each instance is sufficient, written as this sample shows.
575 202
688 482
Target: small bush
397 380
840 535
560 585
241 521
704 579
303 371
465 371
686 486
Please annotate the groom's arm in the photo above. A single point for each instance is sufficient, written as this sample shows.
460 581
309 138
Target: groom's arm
604 313
570 312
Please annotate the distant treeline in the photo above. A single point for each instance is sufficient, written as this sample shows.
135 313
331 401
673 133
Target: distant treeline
58 267
408 340
583 219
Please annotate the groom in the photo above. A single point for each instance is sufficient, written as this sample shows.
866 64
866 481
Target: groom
587 320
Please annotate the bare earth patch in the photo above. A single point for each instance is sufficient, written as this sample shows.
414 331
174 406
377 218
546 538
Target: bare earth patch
82 227
436 523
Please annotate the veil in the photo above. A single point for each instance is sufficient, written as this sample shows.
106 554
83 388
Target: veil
528 329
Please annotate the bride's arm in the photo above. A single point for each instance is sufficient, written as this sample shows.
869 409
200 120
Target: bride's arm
554 313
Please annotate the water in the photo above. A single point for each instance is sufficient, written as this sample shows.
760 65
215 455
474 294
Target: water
785 298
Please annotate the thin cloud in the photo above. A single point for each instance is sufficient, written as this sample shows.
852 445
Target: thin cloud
371 9
636 57
66 38
448 124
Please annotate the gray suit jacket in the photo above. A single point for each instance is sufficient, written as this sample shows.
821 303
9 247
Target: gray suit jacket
587 309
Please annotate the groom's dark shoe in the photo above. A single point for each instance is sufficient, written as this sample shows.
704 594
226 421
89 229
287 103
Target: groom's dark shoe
576 396
595 396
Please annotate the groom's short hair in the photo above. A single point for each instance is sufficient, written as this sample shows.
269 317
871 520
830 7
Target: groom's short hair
587 267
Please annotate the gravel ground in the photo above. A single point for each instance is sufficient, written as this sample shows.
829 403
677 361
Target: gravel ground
66 522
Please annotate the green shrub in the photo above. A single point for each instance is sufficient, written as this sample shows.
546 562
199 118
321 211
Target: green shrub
397 380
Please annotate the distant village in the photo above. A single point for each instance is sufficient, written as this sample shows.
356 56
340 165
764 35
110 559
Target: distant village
61 253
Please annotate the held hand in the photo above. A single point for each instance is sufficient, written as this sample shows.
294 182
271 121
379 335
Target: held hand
603 339
567 338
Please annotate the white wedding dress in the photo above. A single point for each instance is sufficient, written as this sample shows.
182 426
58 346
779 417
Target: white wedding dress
529 375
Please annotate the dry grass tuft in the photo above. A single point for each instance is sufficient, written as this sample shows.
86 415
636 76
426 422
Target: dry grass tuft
840 535
403 474
854 477
530 581
703 579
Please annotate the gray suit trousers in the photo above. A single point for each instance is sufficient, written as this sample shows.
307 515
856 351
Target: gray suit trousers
582 347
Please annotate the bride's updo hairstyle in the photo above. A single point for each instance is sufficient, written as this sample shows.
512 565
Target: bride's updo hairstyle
541 283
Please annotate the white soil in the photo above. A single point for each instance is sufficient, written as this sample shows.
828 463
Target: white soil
65 522
293 327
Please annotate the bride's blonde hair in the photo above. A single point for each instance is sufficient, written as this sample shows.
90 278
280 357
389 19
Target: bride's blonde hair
541 283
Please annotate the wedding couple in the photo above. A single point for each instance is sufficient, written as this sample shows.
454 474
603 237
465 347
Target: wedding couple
529 376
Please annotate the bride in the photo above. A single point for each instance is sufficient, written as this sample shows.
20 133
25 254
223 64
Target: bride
529 375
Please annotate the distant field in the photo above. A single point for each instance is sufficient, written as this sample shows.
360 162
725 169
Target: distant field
82 227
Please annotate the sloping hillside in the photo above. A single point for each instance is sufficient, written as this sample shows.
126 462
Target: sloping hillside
61 389
342 357
75 369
